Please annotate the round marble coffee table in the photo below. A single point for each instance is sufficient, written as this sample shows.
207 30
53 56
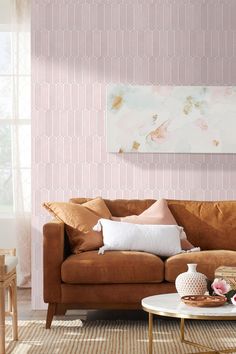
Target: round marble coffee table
170 305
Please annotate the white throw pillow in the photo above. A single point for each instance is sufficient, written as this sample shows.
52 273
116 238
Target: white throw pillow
163 240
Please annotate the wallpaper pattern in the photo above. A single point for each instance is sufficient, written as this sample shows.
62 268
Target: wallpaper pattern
78 47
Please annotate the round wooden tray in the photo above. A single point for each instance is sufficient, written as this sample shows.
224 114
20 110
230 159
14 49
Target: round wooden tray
204 300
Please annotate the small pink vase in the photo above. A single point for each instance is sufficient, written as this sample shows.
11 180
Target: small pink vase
191 282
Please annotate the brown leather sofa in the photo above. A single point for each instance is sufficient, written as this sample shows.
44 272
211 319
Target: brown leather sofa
119 280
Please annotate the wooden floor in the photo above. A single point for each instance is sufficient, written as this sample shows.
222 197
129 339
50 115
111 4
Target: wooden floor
24 306
26 313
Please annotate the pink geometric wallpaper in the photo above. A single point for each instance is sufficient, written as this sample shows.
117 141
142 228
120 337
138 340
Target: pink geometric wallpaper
78 47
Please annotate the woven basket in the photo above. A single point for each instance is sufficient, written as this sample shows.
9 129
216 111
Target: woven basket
228 274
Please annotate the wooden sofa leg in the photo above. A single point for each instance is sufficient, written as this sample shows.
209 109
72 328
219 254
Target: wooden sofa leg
50 313
60 310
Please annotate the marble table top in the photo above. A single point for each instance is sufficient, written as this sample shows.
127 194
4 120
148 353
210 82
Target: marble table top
170 305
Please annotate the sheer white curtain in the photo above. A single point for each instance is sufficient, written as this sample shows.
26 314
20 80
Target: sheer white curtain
21 149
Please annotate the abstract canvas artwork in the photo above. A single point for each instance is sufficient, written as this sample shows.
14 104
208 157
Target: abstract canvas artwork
178 119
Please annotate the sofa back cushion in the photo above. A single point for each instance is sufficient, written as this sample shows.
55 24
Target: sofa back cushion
208 225
122 207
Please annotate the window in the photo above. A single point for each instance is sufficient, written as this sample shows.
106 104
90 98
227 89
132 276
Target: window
15 111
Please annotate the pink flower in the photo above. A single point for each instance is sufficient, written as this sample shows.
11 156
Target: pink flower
233 299
220 286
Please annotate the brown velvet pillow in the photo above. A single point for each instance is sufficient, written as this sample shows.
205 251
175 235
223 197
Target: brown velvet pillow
79 220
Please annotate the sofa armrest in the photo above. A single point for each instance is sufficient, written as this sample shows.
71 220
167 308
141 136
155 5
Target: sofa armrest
53 256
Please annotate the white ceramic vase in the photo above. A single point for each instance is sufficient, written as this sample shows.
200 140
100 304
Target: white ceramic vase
191 282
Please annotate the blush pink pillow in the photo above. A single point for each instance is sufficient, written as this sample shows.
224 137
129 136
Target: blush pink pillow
158 213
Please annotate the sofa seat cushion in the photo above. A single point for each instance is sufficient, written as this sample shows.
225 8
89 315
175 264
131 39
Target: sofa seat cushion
207 262
112 267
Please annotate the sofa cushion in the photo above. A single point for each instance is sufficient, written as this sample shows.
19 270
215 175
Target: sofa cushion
79 220
122 207
158 213
207 262
162 240
209 225
112 267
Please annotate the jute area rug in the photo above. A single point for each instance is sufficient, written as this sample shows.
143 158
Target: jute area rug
117 336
